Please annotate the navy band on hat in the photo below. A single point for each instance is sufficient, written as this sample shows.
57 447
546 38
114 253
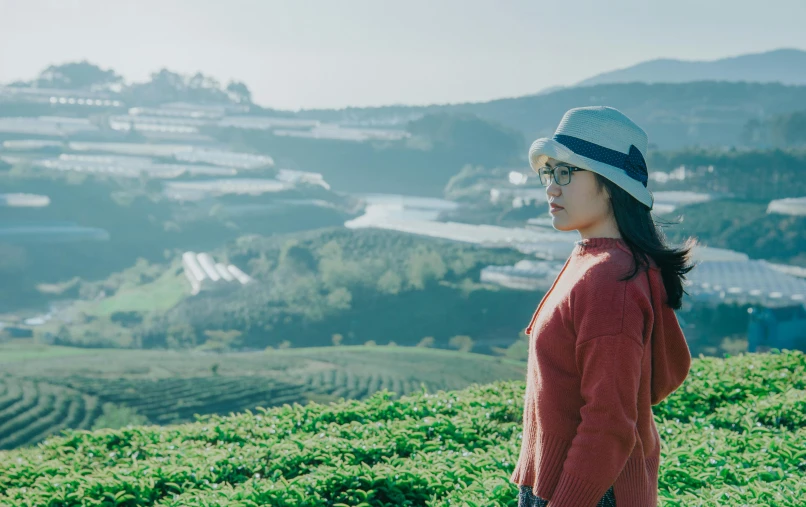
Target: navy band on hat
632 163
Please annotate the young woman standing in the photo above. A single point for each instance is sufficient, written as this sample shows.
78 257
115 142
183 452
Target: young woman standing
605 344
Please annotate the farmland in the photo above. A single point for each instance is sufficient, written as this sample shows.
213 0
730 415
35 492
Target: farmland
732 435
39 396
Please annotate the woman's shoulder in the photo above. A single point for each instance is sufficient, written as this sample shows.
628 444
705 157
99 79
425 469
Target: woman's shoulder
612 276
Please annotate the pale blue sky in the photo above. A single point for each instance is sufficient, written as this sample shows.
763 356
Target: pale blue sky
307 54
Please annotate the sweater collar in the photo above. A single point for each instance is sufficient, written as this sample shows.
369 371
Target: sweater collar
591 244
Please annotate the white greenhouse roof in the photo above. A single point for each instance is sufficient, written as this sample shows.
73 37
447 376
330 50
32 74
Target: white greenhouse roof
24 200
31 144
752 278
46 125
197 190
145 149
128 166
224 158
789 206
266 122
344 133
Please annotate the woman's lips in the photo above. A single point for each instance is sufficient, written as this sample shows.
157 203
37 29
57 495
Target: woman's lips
554 209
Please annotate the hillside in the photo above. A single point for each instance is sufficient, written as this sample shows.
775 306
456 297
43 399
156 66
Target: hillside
732 435
41 393
140 222
786 66
364 284
674 115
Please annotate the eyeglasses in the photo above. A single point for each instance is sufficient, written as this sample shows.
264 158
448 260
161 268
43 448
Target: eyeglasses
561 172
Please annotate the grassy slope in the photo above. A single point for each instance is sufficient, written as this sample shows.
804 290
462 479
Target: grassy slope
732 435
172 386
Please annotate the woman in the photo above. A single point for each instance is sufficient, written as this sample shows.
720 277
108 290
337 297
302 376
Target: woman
605 344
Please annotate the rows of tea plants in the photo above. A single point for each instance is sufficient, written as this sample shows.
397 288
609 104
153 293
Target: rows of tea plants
173 388
173 400
732 435
344 383
30 411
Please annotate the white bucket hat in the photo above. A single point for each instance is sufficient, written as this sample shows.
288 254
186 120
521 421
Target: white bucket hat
603 140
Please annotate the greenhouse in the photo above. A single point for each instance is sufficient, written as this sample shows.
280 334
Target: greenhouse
204 273
224 158
751 281
24 200
128 166
198 190
57 126
789 206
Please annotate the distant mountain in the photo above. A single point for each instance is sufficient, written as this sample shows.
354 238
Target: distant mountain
550 89
675 115
785 66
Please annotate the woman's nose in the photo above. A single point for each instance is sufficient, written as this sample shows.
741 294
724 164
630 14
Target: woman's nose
553 188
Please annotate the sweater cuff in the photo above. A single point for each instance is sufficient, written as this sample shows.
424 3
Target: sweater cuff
574 492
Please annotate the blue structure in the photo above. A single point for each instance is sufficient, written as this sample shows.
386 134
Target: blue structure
782 327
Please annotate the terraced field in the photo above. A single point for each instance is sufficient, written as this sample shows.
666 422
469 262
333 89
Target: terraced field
732 436
31 410
42 394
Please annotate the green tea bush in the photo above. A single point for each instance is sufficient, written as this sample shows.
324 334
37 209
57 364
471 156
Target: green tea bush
731 435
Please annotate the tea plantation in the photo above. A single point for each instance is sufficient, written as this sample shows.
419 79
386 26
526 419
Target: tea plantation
42 393
733 435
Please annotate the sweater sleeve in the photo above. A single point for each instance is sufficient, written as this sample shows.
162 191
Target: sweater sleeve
609 364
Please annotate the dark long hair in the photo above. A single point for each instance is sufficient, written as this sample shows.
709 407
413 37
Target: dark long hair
645 237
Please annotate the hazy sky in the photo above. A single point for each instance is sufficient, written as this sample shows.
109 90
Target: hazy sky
308 54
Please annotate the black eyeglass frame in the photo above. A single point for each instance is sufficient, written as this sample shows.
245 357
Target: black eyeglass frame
571 170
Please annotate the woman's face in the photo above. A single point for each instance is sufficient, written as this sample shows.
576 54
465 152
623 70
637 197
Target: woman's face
585 208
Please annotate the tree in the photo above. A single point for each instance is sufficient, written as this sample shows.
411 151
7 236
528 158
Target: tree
462 263
180 336
227 340
239 92
518 350
789 129
337 272
459 182
423 266
390 283
336 338
428 341
297 257
76 76
462 342
340 299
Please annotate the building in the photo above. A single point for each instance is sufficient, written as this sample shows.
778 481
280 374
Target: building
789 206
783 327
224 158
129 166
206 189
24 200
744 282
333 131
55 126
56 96
204 273
524 275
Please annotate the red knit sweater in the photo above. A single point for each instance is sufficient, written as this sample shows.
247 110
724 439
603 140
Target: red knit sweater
601 353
